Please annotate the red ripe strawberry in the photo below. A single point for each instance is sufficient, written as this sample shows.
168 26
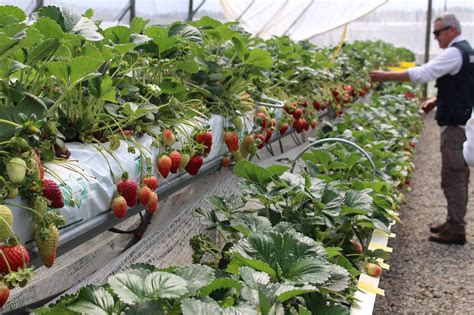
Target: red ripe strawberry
164 165
304 103
335 92
289 109
259 140
268 135
175 157
53 193
373 270
152 204
231 140
206 139
15 255
316 105
168 137
284 128
128 134
298 113
195 164
306 125
119 206
151 182
128 188
261 119
226 161
4 294
357 246
144 194
299 125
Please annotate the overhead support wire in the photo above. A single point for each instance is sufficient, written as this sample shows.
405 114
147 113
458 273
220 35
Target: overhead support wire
298 17
245 11
270 19
191 13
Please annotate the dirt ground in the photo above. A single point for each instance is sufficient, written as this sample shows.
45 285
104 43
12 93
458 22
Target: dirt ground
425 277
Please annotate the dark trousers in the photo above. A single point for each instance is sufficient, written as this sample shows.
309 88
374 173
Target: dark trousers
454 178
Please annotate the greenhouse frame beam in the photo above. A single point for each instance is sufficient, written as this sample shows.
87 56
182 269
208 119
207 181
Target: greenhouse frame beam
245 11
427 41
131 8
298 17
270 19
191 12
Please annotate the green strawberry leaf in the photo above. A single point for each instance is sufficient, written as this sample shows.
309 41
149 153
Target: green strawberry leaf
93 300
197 307
259 58
129 285
83 67
145 308
165 285
257 174
359 199
197 276
220 283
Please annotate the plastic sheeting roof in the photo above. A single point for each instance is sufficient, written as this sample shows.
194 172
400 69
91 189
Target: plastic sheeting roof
299 19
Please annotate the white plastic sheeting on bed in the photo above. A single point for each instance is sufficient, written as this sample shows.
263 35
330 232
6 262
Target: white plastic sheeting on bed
87 182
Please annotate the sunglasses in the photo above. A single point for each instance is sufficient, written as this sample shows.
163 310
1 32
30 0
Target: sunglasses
438 32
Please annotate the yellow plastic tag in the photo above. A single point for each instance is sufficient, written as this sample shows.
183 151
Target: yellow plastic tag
370 288
383 233
373 246
382 264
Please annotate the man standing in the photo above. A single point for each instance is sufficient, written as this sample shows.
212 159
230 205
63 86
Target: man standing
453 70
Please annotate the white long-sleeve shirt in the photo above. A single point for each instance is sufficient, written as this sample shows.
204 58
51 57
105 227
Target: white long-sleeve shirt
449 61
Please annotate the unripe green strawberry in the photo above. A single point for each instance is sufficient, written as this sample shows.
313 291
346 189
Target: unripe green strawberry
185 157
237 156
50 129
47 240
373 270
13 192
16 170
238 123
19 144
6 222
40 205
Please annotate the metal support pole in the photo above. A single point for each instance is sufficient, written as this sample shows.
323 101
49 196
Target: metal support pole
132 10
427 41
190 10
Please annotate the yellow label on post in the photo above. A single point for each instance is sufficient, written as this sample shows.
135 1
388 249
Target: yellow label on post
383 233
373 246
370 288
382 264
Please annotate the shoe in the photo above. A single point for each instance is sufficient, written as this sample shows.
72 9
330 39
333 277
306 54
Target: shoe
444 237
437 227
